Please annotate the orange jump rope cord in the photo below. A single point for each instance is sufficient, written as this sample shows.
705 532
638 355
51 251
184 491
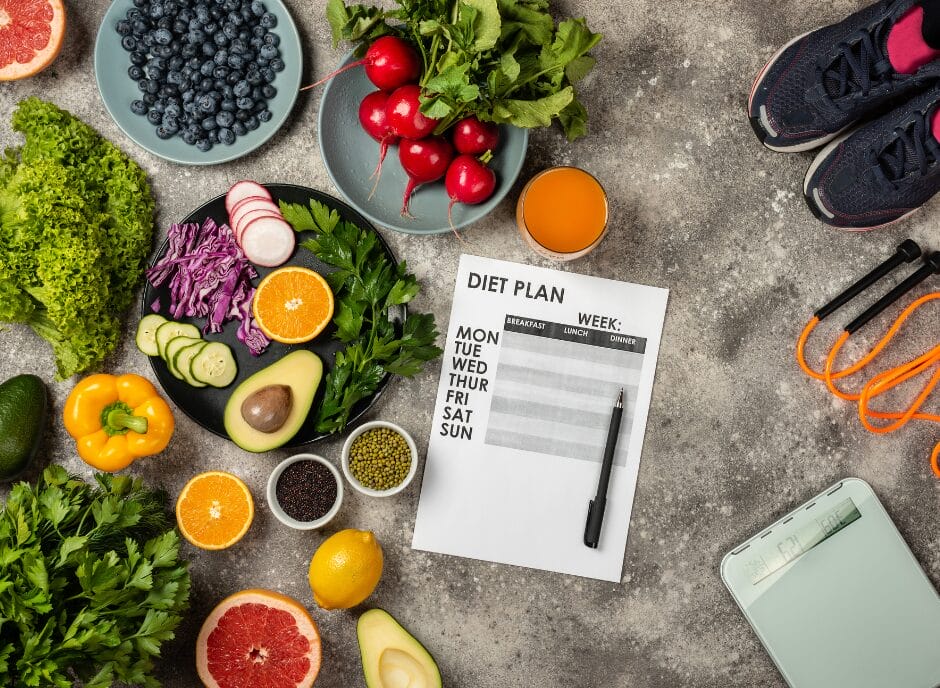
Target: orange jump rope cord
882 382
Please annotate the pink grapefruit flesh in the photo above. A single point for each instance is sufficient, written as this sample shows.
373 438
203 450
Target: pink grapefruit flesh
31 33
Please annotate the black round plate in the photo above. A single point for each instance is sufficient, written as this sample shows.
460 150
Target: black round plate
206 405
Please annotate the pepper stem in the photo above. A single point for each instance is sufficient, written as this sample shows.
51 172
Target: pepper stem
118 419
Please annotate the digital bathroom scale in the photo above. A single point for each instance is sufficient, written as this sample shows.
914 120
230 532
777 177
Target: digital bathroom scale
837 598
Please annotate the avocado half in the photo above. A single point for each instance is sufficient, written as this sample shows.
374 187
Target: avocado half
391 656
300 370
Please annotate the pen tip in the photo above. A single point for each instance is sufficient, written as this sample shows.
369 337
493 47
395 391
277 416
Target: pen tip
620 397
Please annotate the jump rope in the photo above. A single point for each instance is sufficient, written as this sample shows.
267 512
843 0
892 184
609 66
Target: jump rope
882 421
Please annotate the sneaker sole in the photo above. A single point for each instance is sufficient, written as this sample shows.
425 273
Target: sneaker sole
815 204
759 120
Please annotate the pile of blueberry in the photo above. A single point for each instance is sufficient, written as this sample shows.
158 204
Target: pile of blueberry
204 67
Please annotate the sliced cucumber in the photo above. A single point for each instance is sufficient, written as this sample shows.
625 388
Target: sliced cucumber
147 333
183 360
214 365
170 330
173 347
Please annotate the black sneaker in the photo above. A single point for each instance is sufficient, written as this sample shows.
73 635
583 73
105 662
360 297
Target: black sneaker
881 172
824 81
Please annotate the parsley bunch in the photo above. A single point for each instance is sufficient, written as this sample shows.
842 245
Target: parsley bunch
90 582
504 61
365 284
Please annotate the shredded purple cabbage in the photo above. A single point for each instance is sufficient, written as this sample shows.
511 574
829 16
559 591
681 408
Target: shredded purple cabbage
209 277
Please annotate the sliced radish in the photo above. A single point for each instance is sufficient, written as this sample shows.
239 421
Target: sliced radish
249 200
242 190
247 206
245 218
268 241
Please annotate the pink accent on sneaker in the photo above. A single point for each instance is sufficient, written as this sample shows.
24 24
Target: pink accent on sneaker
935 124
907 49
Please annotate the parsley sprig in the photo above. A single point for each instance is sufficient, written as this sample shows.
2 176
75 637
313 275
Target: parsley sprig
90 582
366 285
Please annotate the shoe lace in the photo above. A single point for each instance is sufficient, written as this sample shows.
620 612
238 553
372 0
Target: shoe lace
912 149
859 65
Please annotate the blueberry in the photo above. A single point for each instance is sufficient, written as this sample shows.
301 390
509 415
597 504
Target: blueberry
207 68
265 115
205 145
252 123
225 91
241 89
209 123
259 31
165 51
268 20
123 27
221 56
226 136
158 62
239 129
154 117
268 91
244 35
213 135
206 85
231 5
149 99
242 115
268 52
142 85
194 63
202 13
163 133
233 78
230 31
153 87
138 58
165 23
139 107
225 119
194 128
245 103
272 39
211 27
175 63
188 51
257 8
129 43
256 93
268 75
277 64
140 3
171 124
154 72
185 15
168 91
256 42
188 138
173 109
179 27
135 72
208 49
237 46
219 74
220 39
133 14
207 104
228 105
254 78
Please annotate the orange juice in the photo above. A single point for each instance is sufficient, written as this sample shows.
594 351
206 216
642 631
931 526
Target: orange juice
562 213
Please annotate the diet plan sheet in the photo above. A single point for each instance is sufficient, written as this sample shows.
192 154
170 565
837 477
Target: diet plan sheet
533 363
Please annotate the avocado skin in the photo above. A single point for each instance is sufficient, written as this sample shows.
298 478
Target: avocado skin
379 632
24 408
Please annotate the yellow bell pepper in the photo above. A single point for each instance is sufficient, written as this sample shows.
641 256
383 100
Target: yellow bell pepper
115 420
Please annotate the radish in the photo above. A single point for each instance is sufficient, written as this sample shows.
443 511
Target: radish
390 62
468 181
242 190
374 121
424 161
473 137
245 218
403 112
252 203
267 241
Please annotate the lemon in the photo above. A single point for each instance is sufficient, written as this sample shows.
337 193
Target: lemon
345 569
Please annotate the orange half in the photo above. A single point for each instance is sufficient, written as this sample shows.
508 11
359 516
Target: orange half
293 305
214 510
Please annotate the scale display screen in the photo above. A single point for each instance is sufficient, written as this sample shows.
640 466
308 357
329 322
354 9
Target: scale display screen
772 558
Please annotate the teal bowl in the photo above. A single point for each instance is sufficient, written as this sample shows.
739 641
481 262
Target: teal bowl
118 90
350 155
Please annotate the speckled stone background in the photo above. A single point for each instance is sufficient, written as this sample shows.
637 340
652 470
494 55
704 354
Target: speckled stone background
736 437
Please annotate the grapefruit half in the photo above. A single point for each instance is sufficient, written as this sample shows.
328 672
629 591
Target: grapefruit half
31 33
258 638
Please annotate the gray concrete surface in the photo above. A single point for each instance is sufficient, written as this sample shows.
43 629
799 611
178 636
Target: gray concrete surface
736 434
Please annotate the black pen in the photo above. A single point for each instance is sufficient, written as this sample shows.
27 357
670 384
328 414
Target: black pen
595 517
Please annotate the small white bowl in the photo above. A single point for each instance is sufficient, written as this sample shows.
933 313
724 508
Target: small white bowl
368 490
279 512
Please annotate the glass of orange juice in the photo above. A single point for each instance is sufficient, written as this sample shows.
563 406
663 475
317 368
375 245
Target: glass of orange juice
562 213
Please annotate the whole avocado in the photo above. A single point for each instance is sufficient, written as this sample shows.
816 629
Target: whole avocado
23 410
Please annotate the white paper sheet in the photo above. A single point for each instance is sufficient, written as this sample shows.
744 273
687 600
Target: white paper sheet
533 362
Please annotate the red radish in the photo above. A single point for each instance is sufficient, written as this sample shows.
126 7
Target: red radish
246 218
252 204
267 241
242 190
405 118
424 161
390 62
375 123
473 137
468 181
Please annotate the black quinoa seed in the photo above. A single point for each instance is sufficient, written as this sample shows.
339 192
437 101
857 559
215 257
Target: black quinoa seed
306 490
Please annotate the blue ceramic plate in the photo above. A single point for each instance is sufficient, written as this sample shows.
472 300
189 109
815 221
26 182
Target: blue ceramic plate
350 156
118 90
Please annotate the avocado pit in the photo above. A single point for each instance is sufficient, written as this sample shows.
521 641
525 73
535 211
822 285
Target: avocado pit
267 409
